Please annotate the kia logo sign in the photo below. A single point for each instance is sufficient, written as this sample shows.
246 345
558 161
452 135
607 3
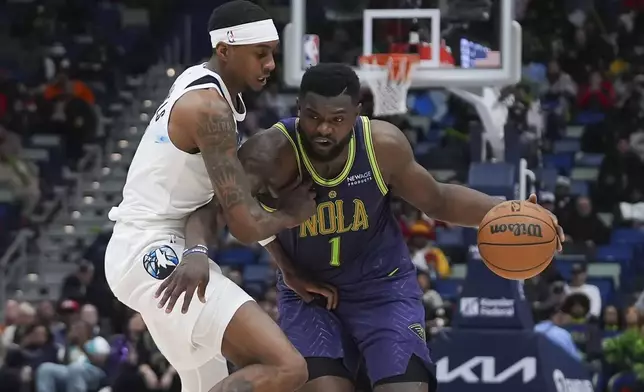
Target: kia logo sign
483 370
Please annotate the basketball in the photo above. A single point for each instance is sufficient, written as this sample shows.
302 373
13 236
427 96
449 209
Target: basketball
517 239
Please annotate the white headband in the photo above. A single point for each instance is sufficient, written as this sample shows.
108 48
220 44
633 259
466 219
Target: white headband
246 34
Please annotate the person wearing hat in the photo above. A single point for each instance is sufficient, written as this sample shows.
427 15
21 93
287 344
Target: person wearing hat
425 256
578 285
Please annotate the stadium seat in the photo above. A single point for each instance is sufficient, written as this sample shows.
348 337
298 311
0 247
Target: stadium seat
448 288
606 287
548 178
255 289
579 188
491 175
567 146
627 236
264 258
619 253
589 160
236 256
449 237
257 273
562 162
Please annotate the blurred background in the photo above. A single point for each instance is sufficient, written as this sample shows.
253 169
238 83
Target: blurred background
80 78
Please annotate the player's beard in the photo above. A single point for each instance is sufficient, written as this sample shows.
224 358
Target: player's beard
330 154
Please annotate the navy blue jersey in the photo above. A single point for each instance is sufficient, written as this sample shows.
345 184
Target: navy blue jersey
353 236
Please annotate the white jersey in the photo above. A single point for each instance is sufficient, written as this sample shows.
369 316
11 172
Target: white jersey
164 184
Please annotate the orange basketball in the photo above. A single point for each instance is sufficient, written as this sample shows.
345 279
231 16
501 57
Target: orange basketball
517 239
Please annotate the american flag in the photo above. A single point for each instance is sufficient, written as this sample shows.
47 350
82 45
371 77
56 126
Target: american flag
475 55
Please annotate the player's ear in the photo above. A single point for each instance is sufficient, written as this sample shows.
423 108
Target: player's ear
359 108
297 105
222 51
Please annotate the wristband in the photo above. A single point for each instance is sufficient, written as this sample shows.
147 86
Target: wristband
267 241
195 249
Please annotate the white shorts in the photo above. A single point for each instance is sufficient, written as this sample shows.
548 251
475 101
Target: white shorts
136 262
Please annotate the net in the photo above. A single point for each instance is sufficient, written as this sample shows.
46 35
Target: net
389 80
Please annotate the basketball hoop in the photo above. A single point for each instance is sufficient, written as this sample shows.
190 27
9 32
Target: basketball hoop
389 80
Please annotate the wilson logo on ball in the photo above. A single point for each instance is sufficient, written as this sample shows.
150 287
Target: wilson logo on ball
518 229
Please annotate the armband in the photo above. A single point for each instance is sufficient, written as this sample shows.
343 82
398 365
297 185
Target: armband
267 241
195 249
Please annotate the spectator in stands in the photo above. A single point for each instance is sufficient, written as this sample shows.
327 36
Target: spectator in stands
425 256
63 85
578 284
89 314
75 285
431 298
11 312
46 314
610 320
81 367
71 114
583 226
598 95
26 317
37 346
620 176
21 176
552 329
141 368
560 89
632 318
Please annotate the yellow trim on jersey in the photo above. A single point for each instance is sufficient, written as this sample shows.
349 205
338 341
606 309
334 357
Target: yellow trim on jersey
371 155
343 174
282 128
266 208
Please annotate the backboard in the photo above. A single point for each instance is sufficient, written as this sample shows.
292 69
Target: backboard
462 43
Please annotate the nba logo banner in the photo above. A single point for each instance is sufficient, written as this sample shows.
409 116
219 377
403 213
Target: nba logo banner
311 50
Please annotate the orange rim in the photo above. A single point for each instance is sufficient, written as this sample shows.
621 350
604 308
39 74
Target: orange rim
399 64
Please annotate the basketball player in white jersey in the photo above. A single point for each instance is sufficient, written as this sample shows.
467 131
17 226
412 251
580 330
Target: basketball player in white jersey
186 157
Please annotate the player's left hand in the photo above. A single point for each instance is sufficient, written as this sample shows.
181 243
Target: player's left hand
560 233
192 273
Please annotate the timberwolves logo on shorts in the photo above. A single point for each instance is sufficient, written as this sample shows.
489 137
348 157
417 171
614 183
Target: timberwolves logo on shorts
160 262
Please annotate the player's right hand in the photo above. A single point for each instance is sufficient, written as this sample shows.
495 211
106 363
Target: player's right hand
192 273
298 203
307 290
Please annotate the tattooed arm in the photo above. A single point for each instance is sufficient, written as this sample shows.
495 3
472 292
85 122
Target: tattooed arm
202 119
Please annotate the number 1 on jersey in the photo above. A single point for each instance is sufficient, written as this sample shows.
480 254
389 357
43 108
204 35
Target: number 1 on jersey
335 251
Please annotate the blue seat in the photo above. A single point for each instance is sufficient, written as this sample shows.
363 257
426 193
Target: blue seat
563 162
579 188
606 287
255 289
567 146
617 253
236 256
590 160
448 288
627 236
264 258
548 178
449 237
257 273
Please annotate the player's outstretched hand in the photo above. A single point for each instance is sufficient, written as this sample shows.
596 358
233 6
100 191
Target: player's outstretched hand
299 202
307 290
192 273
560 232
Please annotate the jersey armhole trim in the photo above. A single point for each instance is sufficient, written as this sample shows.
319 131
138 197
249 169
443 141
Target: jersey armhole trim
266 208
282 128
371 155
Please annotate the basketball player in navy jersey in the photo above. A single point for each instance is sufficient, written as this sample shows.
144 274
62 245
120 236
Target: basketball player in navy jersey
351 250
